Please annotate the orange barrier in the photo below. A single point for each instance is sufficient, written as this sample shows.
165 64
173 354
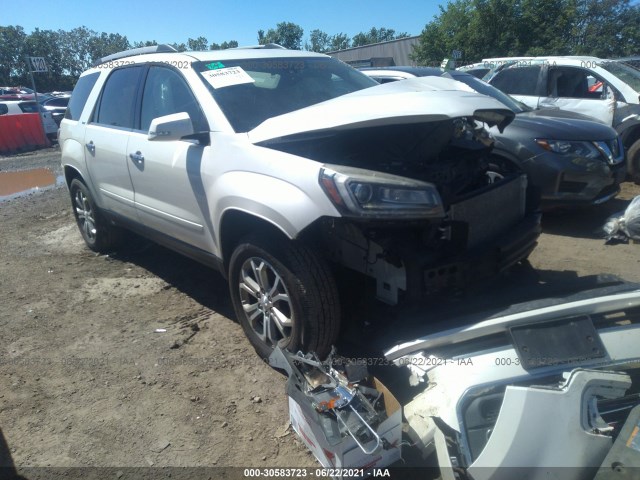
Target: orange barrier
21 132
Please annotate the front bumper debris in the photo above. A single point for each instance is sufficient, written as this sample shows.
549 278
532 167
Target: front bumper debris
347 418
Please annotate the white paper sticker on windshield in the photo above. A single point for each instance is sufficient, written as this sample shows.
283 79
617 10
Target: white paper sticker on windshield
226 77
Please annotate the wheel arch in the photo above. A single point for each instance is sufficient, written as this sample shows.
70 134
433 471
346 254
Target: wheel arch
236 224
71 173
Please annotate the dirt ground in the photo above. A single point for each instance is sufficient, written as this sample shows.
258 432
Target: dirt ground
86 380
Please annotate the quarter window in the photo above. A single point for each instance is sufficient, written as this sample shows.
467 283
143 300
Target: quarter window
80 95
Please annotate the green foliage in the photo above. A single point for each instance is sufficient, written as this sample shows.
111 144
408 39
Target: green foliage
376 35
224 45
69 53
339 41
322 42
198 44
497 28
286 34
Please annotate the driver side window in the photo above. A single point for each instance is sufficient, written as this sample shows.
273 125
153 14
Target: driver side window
165 93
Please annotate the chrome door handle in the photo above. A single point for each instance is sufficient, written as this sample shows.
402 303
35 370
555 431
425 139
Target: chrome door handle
137 157
91 147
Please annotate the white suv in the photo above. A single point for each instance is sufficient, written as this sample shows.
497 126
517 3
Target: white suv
280 167
607 90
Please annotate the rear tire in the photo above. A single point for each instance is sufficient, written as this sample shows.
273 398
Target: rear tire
285 295
633 161
96 231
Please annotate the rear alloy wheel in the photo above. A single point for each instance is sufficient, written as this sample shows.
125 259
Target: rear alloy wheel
284 295
96 232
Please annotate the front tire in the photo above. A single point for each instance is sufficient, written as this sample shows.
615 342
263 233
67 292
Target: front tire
97 233
284 295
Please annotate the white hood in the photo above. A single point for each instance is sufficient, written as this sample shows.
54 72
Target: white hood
416 100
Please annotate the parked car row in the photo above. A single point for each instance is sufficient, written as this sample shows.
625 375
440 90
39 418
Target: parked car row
18 107
607 90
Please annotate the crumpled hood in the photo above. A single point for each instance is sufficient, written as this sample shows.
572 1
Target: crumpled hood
562 125
416 100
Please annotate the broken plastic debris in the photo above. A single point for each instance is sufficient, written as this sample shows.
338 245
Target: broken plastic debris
160 330
624 226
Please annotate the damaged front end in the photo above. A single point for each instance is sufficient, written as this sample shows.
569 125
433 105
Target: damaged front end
552 392
422 206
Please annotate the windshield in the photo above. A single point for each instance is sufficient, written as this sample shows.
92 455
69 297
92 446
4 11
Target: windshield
627 74
251 91
486 89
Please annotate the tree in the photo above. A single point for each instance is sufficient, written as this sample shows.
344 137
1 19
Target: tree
181 47
46 44
340 41
319 42
490 28
107 44
322 42
286 34
198 44
76 50
146 43
224 45
376 36
12 39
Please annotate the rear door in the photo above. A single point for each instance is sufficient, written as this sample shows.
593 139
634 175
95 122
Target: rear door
106 139
169 189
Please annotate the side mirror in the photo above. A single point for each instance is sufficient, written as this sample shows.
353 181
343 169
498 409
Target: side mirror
170 127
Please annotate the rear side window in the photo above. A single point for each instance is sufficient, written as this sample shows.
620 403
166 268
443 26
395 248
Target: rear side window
118 98
79 96
3 109
518 80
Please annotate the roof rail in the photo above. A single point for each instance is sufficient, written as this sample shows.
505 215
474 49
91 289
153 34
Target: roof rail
163 48
267 45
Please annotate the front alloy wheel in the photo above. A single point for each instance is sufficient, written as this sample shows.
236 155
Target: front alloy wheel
284 295
265 301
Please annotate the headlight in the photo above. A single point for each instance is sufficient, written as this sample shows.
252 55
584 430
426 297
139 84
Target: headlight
566 147
365 193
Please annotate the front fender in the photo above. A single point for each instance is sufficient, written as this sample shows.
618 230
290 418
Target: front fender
283 204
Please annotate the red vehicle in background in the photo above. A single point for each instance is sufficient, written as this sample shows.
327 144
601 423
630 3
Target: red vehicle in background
16 93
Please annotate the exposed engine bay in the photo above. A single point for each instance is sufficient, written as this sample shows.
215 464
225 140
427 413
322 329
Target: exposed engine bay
452 154
410 255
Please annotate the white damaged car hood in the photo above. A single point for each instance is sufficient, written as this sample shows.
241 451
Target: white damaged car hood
427 99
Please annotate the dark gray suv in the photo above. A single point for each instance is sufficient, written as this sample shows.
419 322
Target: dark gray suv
572 159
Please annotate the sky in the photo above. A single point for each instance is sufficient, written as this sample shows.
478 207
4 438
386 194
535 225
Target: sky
174 21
